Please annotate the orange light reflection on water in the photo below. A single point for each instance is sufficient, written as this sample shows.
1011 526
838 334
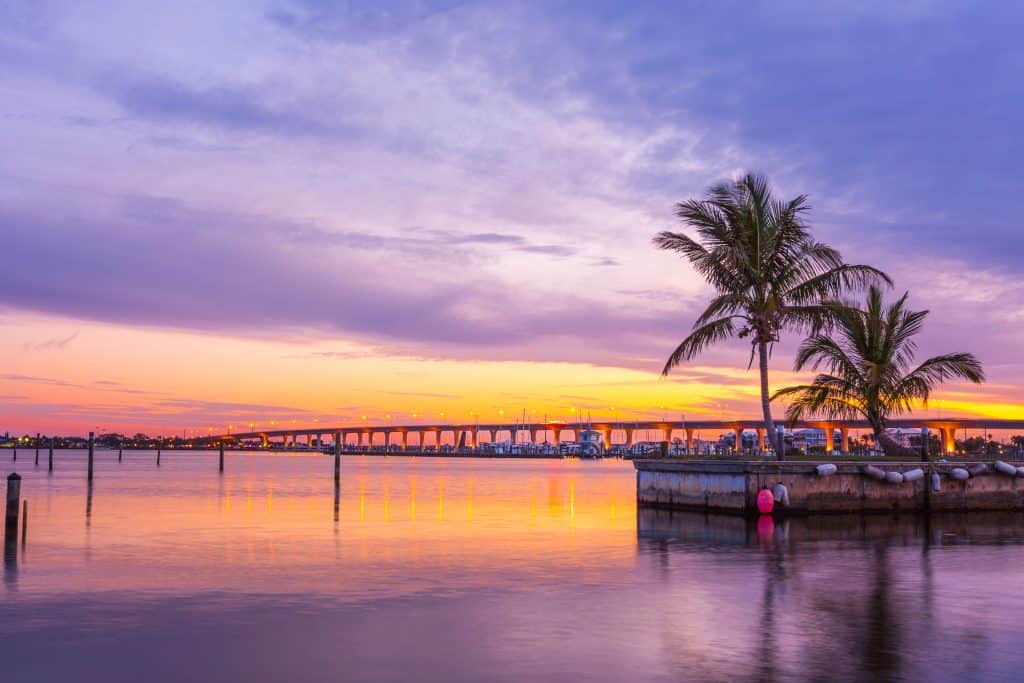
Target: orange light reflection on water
180 529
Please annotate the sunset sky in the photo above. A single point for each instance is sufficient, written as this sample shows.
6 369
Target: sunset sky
221 213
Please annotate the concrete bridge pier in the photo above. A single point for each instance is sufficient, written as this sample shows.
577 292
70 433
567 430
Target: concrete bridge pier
948 439
689 440
844 440
761 432
629 438
737 445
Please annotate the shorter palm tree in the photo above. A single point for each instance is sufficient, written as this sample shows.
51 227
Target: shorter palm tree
866 364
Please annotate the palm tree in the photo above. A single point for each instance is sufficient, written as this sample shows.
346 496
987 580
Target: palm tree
767 271
867 367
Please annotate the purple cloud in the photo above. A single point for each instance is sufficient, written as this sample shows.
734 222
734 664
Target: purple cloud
475 180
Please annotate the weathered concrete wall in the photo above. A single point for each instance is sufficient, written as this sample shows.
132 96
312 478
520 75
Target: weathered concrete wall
733 487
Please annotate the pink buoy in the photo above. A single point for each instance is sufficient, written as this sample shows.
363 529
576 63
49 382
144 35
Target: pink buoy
765 501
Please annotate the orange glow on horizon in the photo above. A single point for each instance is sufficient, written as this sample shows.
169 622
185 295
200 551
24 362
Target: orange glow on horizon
162 382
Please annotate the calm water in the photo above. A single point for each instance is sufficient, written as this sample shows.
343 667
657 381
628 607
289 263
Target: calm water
480 570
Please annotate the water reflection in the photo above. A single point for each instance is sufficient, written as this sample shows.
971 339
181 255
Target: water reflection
854 598
10 553
337 503
88 503
477 569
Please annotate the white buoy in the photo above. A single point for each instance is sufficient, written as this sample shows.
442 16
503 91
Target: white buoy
826 469
960 474
977 469
936 482
1005 468
781 494
874 472
913 475
894 477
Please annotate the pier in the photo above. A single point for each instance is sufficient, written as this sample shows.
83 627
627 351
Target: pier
848 487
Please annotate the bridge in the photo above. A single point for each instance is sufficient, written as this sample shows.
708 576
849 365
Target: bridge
469 435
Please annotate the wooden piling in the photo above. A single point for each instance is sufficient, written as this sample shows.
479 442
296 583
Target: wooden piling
119 449
37 448
222 457
90 454
13 501
51 455
24 522
337 458
158 457
15 454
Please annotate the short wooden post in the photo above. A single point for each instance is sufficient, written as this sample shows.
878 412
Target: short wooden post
51 455
158 457
222 457
37 447
90 455
13 502
119 449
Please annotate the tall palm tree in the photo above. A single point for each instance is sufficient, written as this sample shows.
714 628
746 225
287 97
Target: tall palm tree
867 366
769 274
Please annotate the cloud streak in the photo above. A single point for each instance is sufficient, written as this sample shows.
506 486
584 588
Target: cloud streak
55 343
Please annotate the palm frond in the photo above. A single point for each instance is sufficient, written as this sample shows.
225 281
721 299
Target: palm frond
867 358
832 283
700 338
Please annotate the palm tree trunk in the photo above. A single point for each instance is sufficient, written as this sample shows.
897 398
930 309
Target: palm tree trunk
769 424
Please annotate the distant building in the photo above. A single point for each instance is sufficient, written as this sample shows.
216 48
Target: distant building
590 441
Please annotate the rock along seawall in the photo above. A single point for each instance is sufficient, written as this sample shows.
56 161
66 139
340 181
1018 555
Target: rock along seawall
732 487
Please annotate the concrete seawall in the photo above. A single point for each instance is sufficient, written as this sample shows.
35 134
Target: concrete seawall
732 487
